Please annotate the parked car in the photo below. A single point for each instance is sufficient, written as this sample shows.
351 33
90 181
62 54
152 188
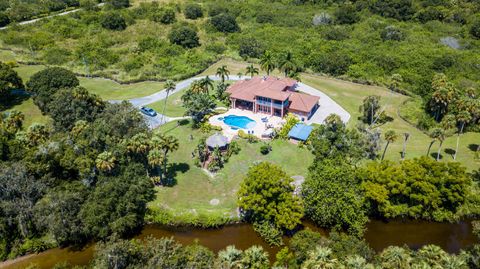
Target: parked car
148 111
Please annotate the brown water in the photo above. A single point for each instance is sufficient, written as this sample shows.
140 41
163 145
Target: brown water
451 237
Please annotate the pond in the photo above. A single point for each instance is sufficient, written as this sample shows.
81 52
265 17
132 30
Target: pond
450 236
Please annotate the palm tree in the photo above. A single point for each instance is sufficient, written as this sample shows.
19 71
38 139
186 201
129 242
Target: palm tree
206 83
395 257
37 133
438 134
169 144
252 70
223 72
196 86
266 62
255 257
169 87
230 258
321 257
287 63
14 121
462 118
105 161
155 160
433 255
138 144
390 137
406 136
357 262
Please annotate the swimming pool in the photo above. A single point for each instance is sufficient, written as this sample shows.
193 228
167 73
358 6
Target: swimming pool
239 122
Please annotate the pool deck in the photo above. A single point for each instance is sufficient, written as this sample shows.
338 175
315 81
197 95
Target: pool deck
259 128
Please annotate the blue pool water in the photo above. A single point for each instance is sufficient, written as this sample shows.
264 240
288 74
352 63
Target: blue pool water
239 122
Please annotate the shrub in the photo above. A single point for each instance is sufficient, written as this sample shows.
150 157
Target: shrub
216 10
184 36
391 33
264 17
336 33
291 120
397 9
113 21
250 47
430 14
225 23
269 232
322 19
265 149
475 29
193 11
334 63
118 3
4 19
233 149
346 14
165 16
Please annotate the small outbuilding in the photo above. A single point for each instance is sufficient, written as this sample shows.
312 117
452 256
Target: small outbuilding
217 140
300 132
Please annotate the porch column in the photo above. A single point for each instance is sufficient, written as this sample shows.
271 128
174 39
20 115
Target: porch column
234 103
271 107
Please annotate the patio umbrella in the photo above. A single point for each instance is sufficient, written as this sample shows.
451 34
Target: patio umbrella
217 140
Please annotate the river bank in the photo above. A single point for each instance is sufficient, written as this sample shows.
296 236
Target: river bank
452 237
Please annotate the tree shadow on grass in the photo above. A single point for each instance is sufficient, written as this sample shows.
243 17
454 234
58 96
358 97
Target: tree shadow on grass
173 171
434 155
473 147
450 151
179 123
13 99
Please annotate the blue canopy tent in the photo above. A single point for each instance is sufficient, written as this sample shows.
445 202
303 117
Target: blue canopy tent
300 131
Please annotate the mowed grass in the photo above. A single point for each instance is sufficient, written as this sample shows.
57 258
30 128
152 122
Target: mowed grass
194 188
105 88
175 104
350 96
31 112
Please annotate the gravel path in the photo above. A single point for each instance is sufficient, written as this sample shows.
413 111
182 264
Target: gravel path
327 105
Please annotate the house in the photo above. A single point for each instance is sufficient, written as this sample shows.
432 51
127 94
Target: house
273 96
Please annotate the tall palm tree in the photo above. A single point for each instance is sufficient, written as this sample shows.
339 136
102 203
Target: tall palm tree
169 87
138 144
406 136
287 64
252 70
206 83
267 63
169 144
438 134
223 73
155 160
390 137
462 118
357 262
105 161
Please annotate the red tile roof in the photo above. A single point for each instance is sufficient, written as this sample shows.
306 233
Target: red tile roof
303 102
273 88
259 86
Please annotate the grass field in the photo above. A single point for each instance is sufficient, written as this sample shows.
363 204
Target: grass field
175 105
194 188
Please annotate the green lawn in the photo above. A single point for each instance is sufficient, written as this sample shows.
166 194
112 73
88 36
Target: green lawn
111 90
350 96
174 103
194 188
31 112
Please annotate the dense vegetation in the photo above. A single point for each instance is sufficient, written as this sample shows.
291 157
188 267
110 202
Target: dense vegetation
86 176
307 249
